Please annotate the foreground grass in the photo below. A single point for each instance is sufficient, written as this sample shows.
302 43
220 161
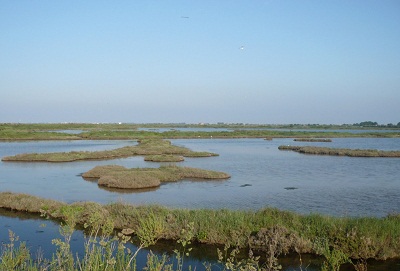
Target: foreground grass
145 147
262 230
114 176
340 151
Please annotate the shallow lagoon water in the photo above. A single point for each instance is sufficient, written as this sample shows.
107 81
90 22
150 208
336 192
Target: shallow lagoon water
261 175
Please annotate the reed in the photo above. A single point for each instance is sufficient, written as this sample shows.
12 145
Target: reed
357 238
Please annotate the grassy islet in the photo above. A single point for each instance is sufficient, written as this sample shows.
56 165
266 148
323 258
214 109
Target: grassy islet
144 148
113 176
340 151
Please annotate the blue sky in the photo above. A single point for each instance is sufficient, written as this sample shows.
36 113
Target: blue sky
269 61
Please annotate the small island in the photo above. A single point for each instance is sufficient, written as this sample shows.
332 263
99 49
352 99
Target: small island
313 139
145 147
114 176
340 151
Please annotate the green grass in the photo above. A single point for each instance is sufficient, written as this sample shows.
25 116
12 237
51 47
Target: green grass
358 238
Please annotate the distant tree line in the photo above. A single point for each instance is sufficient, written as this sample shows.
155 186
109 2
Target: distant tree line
375 124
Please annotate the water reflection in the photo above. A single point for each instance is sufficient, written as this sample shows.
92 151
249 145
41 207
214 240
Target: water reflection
38 234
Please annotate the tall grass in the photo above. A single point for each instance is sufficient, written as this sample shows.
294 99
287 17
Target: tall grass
357 238
102 251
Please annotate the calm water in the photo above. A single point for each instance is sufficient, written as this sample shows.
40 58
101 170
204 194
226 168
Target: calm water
260 173
38 234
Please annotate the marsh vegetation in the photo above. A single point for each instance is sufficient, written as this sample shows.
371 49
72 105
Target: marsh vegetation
313 139
144 148
137 178
18 132
164 158
267 231
340 151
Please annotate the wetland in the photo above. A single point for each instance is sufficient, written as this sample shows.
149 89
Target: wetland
347 196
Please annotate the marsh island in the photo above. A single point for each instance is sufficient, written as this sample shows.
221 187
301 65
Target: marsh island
114 176
146 147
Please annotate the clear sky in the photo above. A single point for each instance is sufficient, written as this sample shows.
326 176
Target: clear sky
260 61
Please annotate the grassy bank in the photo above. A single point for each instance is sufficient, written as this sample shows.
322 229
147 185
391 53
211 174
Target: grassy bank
145 147
340 151
357 238
138 178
